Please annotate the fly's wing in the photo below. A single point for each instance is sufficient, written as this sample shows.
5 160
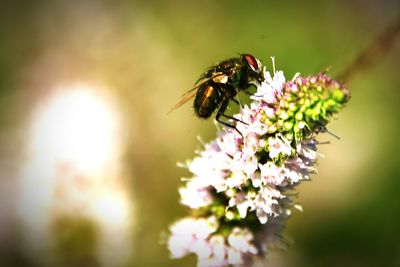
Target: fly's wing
217 78
185 98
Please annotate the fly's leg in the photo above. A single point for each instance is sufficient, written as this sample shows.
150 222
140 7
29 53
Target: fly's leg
236 101
233 118
229 96
220 114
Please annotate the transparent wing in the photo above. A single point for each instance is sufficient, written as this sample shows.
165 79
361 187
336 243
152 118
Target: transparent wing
185 98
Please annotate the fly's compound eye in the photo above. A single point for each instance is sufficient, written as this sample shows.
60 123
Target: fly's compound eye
254 63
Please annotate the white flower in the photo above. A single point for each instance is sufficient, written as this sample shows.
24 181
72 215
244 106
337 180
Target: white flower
231 251
308 149
266 203
227 143
271 174
279 145
210 169
293 175
271 88
201 248
217 243
241 240
234 256
236 179
298 168
179 245
189 235
245 173
196 236
243 201
252 143
256 179
194 195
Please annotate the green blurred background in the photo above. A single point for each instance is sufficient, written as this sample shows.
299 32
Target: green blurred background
136 58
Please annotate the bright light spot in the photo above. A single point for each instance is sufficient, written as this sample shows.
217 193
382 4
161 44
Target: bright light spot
110 208
76 127
73 166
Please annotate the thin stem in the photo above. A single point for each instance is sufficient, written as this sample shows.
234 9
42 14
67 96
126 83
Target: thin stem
373 53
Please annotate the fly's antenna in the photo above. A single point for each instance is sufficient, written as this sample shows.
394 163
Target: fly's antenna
325 130
324 143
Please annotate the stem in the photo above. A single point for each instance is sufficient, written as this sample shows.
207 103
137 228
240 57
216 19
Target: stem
373 53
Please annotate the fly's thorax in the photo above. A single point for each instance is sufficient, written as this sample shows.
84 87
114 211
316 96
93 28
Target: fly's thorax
220 83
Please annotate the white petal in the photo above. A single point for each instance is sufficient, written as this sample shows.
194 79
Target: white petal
234 256
179 245
201 248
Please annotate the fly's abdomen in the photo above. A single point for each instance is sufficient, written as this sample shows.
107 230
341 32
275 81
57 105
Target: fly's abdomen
207 100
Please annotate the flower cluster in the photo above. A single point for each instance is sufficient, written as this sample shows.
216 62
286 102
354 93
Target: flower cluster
241 182
200 236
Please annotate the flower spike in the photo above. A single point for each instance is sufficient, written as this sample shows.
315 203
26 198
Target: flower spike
242 185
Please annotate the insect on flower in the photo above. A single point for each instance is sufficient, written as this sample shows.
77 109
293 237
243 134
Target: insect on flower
221 83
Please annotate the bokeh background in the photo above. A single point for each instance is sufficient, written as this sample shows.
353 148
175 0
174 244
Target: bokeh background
88 154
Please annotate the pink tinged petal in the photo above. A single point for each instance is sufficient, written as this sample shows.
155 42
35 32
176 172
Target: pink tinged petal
250 145
291 86
277 145
279 82
236 197
217 242
248 165
227 143
274 147
270 88
265 92
286 147
245 115
271 173
220 186
269 112
252 140
256 179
